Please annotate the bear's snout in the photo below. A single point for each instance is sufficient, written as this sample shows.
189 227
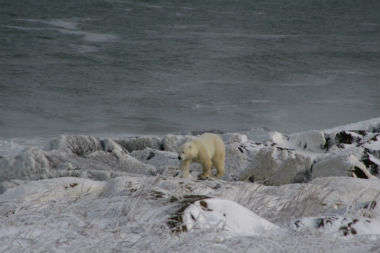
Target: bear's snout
179 157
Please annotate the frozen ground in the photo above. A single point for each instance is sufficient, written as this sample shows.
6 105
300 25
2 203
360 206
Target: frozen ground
316 191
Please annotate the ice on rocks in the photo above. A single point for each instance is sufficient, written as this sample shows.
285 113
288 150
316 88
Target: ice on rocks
313 141
163 161
32 163
340 165
277 166
80 145
140 143
230 138
282 159
79 156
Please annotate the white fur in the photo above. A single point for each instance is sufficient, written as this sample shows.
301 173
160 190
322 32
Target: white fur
208 150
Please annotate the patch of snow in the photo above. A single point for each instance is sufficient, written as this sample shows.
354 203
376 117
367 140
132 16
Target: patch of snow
52 189
227 216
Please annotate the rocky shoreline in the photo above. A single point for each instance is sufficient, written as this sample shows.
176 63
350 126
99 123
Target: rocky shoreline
280 160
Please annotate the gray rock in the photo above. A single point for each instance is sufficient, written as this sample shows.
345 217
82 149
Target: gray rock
172 143
161 160
277 166
80 145
77 156
341 164
140 143
236 161
230 138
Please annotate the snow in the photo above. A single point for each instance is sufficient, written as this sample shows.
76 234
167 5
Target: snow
52 189
341 225
316 191
132 213
227 216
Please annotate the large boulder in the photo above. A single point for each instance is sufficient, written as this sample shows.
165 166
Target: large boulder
274 165
78 156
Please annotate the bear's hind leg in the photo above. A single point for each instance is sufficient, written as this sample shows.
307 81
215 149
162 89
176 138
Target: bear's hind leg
207 165
219 165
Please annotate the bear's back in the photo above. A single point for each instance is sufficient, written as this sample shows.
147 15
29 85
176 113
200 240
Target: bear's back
212 142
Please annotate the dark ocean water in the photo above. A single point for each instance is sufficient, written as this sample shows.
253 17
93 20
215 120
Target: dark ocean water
154 67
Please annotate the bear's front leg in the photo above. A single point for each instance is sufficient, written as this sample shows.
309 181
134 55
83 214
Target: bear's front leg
185 167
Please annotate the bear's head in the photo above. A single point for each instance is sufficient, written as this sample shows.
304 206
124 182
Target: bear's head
187 151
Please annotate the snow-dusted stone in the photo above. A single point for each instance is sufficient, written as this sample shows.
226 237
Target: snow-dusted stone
32 163
337 152
117 160
371 161
226 216
340 225
312 141
276 166
172 143
349 153
338 165
236 161
125 162
80 145
161 160
73 156
140 143
373 145
229 138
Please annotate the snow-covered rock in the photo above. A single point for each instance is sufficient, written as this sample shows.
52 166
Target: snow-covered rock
226 216
140 143
340 225
136 212
282 159
312 141
80 145
161 160
79 156
277 166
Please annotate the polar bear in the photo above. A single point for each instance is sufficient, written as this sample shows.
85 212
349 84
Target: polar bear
208 150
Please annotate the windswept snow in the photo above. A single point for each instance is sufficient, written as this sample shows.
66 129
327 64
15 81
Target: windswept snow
138 213
316 191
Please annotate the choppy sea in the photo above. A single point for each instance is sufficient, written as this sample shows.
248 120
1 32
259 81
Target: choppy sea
131 67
